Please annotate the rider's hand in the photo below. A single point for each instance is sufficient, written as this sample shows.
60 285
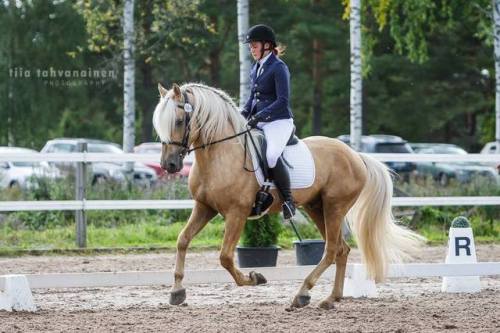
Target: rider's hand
252 122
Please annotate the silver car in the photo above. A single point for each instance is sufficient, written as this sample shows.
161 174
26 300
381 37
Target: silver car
100 171
443 172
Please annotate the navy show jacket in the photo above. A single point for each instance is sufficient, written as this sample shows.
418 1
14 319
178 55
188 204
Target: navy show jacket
270 94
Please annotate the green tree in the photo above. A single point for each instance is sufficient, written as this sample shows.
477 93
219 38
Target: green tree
37 36
452 40
170 39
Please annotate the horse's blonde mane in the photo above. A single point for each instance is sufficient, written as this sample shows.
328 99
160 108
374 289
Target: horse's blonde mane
213 112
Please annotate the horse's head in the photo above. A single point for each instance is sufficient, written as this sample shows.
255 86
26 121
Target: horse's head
193 114
171 122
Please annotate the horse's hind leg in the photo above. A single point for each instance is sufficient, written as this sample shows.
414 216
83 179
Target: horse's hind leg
340 267
200 215
315 212
333 223
234 224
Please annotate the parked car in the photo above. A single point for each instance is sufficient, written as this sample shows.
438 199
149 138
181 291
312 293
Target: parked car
443 172
388 144
101 171
22 174
155 148
491 148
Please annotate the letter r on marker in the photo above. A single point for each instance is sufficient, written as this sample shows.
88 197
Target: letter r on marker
459 244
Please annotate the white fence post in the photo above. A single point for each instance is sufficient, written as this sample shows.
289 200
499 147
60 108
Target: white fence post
81 180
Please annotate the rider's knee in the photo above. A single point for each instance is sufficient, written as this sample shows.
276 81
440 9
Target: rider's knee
271 160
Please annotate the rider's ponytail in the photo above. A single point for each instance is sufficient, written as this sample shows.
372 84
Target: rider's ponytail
279 50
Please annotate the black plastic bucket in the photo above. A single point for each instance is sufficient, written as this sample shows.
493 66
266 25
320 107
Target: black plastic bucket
257 256
309 251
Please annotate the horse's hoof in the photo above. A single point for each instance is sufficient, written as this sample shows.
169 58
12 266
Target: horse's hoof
301 300
326 305
257 278
178 296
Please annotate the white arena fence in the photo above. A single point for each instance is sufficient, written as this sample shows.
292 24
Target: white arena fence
83 205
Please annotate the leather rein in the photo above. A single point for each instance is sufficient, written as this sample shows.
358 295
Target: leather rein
188 108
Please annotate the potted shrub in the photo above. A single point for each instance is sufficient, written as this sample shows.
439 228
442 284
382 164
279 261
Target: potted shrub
259 242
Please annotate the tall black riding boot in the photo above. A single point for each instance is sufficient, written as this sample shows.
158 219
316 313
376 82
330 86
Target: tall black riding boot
282 181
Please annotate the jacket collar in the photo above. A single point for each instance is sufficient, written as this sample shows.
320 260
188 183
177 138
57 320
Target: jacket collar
265 59
271 60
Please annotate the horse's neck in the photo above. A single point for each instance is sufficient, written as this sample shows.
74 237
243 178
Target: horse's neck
220 157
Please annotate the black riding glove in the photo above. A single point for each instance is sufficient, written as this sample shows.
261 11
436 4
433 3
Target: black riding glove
252 122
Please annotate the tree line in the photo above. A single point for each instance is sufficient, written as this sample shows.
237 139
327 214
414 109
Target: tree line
428 66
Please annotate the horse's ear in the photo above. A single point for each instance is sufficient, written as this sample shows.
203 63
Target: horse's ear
162 90
177 90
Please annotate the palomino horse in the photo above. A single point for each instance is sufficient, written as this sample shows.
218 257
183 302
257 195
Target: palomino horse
196 115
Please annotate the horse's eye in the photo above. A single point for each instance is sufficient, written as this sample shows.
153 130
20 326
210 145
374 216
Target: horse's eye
178 122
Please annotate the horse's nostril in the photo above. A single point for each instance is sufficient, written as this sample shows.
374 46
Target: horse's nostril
171 166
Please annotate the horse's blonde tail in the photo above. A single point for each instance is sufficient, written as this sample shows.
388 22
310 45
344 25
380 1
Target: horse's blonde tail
379 238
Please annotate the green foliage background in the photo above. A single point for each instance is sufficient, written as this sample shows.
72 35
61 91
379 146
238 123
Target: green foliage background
425 64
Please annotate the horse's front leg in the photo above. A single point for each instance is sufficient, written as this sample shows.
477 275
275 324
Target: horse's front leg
200 215
234 225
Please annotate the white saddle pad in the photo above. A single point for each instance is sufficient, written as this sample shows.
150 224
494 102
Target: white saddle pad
300 158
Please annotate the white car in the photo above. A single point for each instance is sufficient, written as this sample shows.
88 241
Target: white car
21 174
492 148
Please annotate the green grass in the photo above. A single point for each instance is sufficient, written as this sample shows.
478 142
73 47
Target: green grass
142 234
128 235
156 235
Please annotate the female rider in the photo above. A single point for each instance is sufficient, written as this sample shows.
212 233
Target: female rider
268 106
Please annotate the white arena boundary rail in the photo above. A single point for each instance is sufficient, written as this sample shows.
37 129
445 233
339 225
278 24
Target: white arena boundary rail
188 204
288 273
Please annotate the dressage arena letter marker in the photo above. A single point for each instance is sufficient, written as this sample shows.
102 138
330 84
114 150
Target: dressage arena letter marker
16 294
461 250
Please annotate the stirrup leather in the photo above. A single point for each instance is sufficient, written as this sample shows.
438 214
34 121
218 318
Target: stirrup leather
288 210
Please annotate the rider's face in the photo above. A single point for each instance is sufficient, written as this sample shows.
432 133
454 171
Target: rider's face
257 48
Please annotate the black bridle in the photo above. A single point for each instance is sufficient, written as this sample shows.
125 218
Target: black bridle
188 108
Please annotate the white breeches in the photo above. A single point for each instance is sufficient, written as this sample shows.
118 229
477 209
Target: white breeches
277 134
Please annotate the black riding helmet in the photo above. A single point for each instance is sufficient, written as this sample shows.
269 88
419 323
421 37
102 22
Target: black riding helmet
261 33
